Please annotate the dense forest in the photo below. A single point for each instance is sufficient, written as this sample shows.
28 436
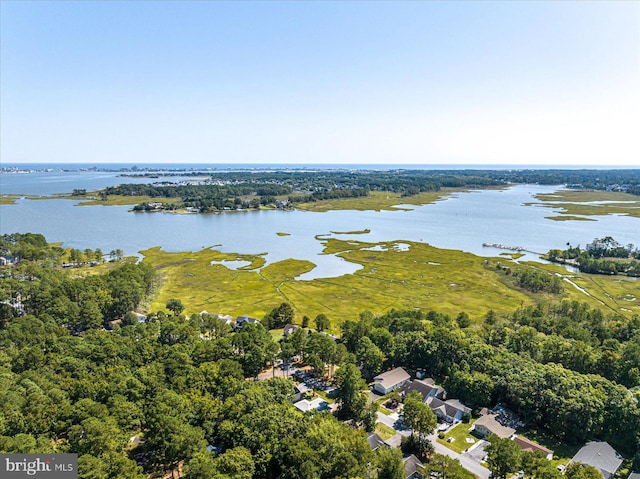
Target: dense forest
251 189
79 373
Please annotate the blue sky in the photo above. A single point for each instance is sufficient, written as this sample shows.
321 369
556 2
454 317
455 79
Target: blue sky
554 83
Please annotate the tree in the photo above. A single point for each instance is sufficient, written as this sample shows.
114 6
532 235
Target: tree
369 357
322 322
322 346
421 419
536 466
418 415
236 463
279 317
444 467
351 401
389 462
463 320
175 306
370 416
577 470
503 457
116 254
305 321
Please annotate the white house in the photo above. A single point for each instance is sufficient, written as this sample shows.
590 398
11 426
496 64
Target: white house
390 380
487 425
244 319
317 404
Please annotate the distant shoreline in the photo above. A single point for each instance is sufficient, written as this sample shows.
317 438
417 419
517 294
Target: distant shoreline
25 168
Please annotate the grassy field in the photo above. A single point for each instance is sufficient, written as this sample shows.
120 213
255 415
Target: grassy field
379 200
8 199
459 433
119 200
619 294
385 432
92 199
581 202
423 277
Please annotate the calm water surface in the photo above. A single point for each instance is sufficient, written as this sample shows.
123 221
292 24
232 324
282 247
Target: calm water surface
462 222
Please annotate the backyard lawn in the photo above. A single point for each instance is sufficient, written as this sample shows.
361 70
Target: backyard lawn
462 438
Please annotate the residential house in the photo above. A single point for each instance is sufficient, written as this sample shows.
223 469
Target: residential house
227 318
317 404
4 261
600 455
425 387
299 391
634 475
450 410
289 329
375 441
390 380
139 316
488 424
244 319
412 467
527 445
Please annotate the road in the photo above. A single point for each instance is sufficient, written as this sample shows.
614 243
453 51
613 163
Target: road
467 462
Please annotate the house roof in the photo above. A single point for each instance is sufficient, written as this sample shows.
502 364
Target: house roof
305 405
528 445
458 405
634 475
422 386
489 421
450 407
246 318
390 378
375 441
411 465
600 455
300 388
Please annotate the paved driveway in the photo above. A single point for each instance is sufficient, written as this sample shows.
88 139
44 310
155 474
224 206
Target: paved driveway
477 453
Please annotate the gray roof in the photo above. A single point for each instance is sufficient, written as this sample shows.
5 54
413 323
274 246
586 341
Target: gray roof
634 475
289 328
424 387
450 407
389 379
601 456
375 441
489 421
301 388
411 464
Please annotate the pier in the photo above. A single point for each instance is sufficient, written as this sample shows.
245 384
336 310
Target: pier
521 249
